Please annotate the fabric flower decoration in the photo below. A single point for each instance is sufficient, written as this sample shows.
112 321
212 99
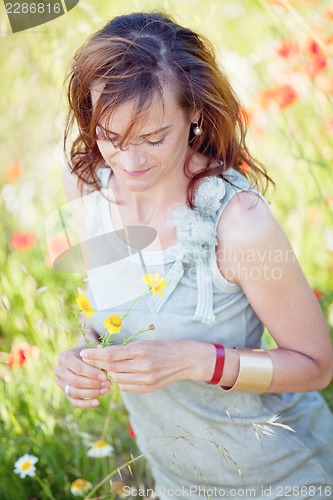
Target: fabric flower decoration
209 195
196 228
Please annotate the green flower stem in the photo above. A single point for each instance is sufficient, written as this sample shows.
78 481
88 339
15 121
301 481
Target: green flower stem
109 412
45 488
83 329
104 339
125 341
134 301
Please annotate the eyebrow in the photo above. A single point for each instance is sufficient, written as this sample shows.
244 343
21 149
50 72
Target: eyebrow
144 135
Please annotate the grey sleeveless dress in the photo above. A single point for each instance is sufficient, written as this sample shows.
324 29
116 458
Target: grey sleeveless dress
199 440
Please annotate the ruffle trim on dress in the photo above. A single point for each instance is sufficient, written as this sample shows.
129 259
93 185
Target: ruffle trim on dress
196 238
195 228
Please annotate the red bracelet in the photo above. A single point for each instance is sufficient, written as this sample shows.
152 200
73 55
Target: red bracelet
219 365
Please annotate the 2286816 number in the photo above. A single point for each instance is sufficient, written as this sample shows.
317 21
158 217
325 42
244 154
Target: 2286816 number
32 8
304 491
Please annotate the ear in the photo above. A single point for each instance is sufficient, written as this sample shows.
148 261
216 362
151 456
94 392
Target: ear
195 116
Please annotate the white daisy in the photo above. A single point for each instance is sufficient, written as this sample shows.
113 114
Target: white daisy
25 466
100 449
79 487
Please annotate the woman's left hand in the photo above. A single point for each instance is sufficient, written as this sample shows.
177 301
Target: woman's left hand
145 366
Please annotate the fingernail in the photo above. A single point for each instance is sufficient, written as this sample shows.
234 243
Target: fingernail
104 391
83 353
95 402
102 377
106 383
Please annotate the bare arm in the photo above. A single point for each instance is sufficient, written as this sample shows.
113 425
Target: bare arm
278 292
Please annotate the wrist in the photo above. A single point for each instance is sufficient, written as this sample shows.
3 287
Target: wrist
200 362
231 367
200 359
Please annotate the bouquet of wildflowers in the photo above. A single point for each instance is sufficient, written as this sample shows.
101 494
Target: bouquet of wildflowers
114 322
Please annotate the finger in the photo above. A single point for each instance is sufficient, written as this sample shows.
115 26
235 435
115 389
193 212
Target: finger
98 363
84 403
139 365
111 353
134 378
78 393
69 377
79 367
140 388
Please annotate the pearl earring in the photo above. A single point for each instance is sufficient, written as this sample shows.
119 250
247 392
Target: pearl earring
197 129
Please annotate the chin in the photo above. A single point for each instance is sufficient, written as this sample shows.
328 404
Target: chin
139 186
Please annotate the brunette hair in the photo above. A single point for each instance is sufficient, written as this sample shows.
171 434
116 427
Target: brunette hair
132 57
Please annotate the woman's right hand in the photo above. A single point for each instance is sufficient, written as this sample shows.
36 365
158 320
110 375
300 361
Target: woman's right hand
86 383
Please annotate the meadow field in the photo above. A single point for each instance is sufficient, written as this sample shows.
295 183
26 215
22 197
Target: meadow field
278 55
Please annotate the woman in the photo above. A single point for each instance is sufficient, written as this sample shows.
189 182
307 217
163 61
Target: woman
161 133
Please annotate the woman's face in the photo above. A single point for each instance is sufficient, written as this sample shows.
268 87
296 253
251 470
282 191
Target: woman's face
158 150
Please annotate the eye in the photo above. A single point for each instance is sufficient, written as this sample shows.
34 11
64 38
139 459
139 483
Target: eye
100 136
157 143
103 138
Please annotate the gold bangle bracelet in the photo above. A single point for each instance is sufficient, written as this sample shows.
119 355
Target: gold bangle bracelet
255 371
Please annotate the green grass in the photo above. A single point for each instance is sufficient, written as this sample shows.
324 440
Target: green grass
37 303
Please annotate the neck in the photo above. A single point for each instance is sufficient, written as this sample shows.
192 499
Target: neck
146 206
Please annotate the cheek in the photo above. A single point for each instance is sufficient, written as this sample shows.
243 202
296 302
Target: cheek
106 149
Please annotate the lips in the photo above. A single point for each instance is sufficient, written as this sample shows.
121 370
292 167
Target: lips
137 173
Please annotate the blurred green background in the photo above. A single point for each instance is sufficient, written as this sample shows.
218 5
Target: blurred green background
278 55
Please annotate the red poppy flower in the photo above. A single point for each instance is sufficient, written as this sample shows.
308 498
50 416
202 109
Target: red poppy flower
287 49
283 95
318 293
20 353
316 59
13 172
22 241
130 431
245 166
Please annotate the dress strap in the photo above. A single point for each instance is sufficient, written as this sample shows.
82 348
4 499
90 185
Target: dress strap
204 310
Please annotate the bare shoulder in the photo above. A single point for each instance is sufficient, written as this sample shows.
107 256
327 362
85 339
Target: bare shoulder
246 219
248 232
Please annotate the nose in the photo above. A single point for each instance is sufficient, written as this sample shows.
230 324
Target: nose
132 157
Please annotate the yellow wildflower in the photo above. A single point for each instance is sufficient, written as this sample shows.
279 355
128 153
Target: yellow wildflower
84 305
113 323
80 486
156 283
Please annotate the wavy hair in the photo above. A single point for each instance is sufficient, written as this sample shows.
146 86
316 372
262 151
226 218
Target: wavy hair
132 57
